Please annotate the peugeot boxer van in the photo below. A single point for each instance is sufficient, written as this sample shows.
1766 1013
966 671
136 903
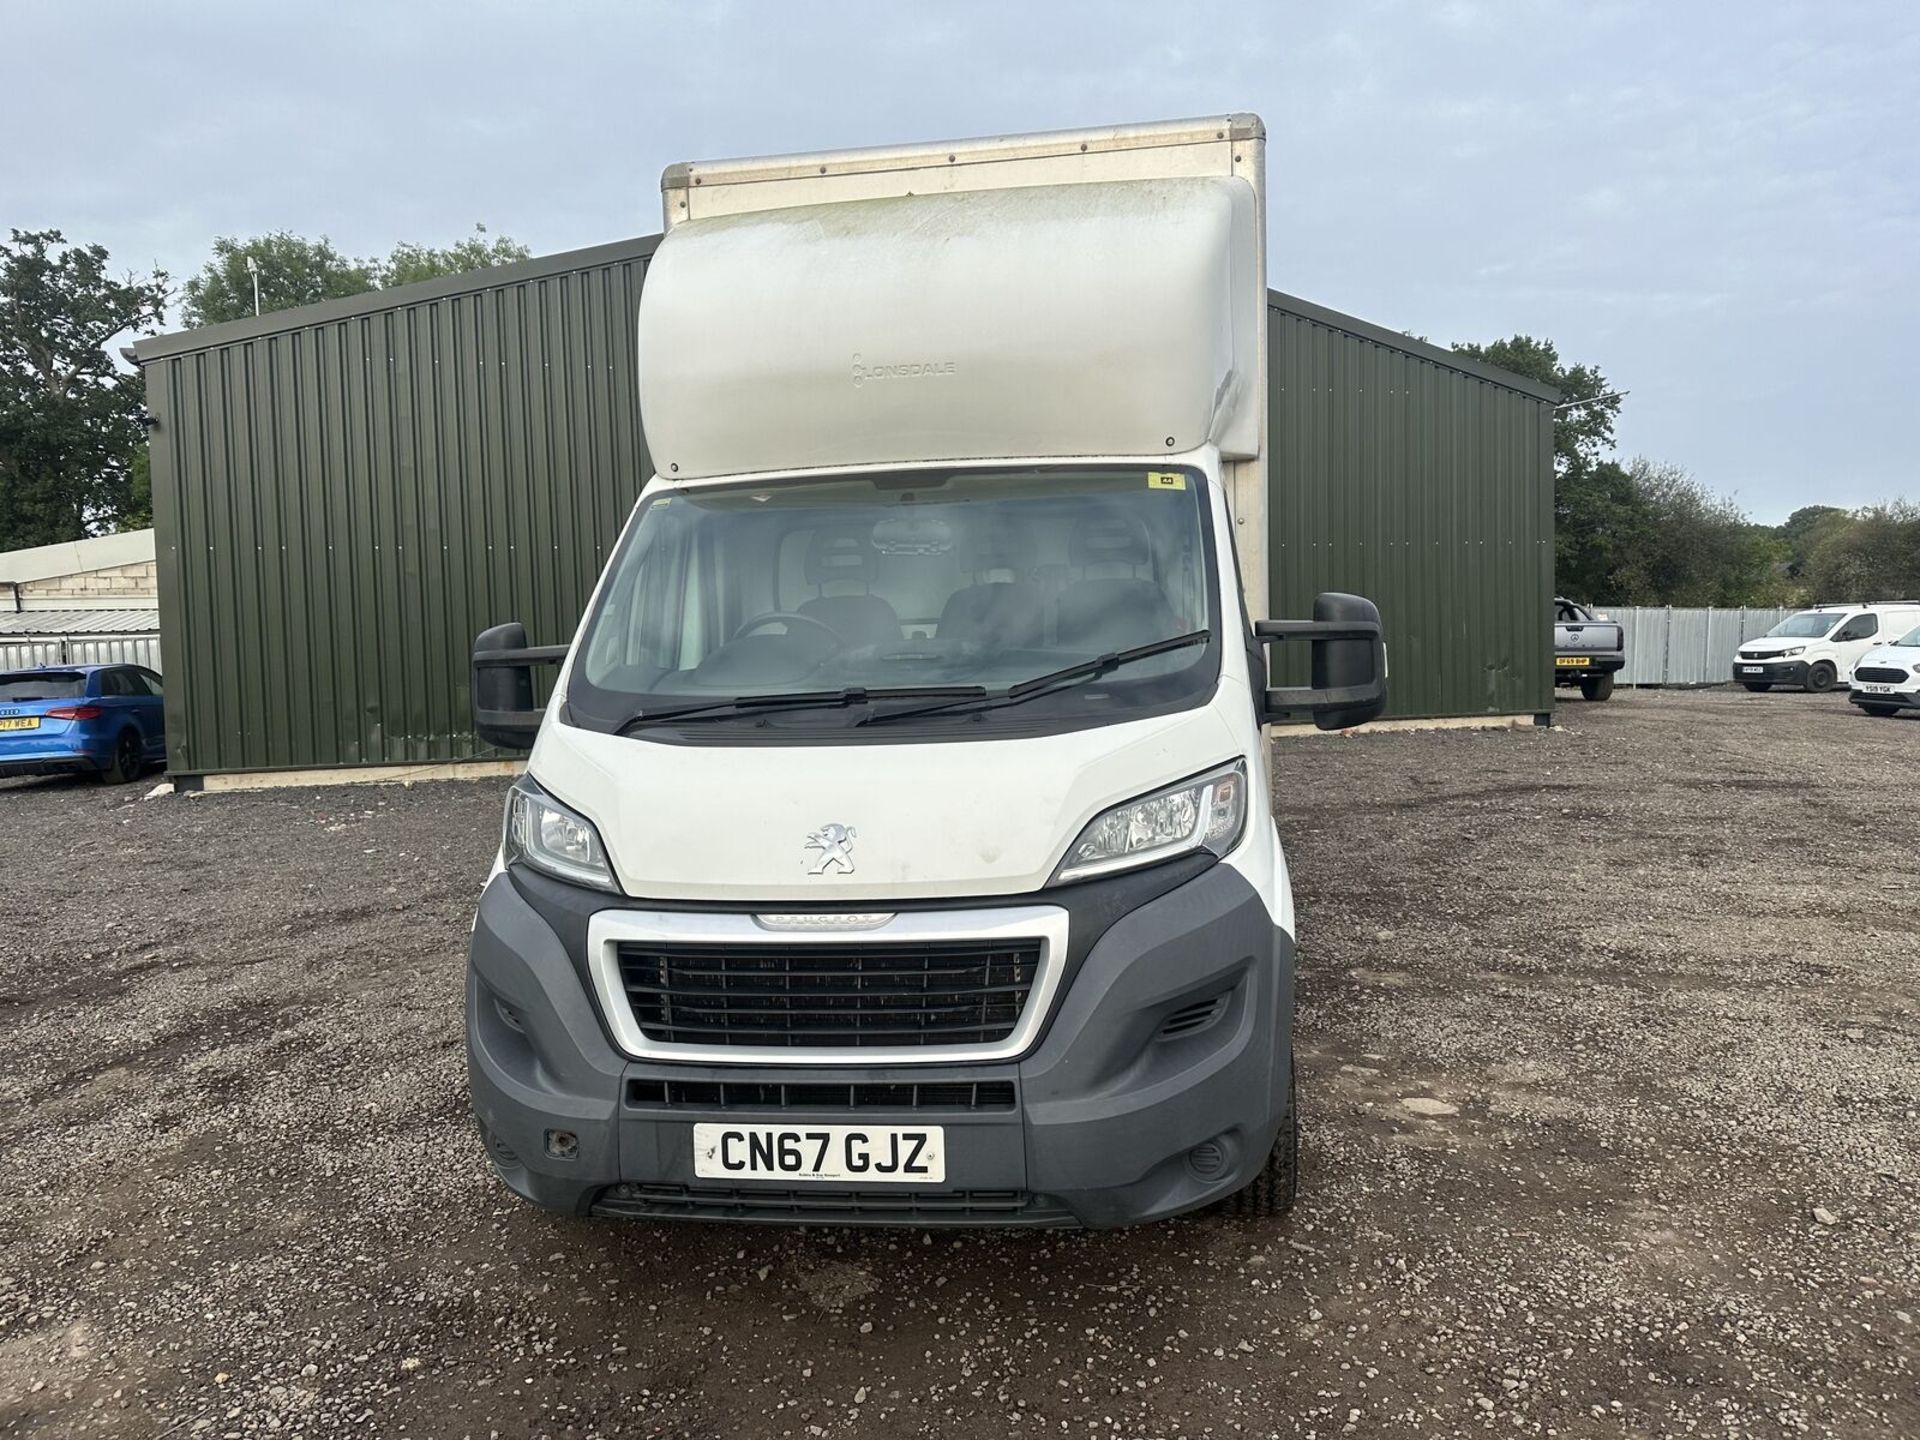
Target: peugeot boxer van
1817 649
895 844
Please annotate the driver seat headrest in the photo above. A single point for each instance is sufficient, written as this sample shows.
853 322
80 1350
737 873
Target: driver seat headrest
837 556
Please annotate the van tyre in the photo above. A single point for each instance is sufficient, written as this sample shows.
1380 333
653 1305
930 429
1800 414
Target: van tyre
1597 687
1272 1191
1756 688
1821 677
125 765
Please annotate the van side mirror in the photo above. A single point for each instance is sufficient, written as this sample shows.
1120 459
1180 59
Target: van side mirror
1349 663
502 685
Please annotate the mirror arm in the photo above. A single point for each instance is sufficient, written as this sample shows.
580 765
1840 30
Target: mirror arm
529 655
1305 697
1268 631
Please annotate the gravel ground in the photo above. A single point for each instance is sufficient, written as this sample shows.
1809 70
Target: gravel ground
1610 1065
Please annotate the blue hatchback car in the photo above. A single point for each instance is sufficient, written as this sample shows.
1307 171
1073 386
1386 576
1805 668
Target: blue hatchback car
103 720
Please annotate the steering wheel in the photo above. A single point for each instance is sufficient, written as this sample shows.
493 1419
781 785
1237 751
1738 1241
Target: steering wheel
789 618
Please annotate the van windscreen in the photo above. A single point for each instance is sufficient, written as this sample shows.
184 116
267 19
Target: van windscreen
948 579
1807 625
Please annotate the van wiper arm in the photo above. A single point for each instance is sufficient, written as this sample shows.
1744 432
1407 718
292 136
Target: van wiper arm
795 700
1053 680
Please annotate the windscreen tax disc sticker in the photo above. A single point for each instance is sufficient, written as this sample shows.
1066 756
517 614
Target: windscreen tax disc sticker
1166 480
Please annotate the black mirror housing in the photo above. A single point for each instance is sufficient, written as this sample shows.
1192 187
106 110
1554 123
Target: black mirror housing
1349 663
504 713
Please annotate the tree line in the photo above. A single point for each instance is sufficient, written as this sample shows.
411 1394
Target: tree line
73 457
1646 532
73 453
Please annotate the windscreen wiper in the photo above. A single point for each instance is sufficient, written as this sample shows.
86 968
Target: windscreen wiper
1053 680
796 700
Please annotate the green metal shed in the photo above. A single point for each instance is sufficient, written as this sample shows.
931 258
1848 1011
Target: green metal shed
345 494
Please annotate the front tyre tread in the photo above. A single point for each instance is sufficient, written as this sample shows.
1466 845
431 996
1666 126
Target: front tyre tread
1273 1191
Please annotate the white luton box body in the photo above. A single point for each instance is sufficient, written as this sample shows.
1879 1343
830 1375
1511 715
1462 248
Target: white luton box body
897 845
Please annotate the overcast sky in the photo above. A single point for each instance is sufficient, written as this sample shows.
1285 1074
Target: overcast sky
1717 204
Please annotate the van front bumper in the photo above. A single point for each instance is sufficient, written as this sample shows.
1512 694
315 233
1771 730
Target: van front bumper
1894 700
1770 672
1113 1117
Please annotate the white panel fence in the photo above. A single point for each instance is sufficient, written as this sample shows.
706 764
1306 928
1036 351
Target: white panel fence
81 650
1671 646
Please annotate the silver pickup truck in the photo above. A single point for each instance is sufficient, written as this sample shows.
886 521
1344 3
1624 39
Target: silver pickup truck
1588 649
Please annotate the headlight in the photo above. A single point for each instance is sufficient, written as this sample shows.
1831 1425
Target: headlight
543 833
1792 650
1205 813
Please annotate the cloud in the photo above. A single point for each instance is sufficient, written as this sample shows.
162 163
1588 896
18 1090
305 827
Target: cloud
1710 211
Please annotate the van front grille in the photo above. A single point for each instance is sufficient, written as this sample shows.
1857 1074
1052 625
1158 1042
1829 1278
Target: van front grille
1879 674
819 995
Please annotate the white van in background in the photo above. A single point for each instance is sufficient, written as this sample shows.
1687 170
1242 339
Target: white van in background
1887 680
1817 649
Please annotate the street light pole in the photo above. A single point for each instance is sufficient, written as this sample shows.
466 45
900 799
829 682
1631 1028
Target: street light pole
253 269
1576 404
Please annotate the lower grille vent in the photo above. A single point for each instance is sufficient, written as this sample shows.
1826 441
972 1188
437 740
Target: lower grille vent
751 1095
824 1206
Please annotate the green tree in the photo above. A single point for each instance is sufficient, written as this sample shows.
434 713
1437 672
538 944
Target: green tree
296 271
1591 494
292 270
1687 546
138 511
1869 554
70 415
1804 529
1583 425
412 263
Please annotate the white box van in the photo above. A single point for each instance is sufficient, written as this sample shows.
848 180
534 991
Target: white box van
1817 649
1886 680
896 846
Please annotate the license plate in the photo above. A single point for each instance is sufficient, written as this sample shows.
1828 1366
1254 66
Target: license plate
1753 669
844 1154
24 722
1874 689
1571 662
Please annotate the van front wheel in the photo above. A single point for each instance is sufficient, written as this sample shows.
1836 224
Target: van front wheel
1756 689
1272 1191
1821 678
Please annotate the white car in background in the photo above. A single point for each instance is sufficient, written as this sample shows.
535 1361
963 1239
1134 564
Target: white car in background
1887 680
1817 649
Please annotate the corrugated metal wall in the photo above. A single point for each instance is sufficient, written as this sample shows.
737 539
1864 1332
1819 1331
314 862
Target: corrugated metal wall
1424 482
1668 646
144 650
345 495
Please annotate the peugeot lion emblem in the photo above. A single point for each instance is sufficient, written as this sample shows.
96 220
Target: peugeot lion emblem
833 842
